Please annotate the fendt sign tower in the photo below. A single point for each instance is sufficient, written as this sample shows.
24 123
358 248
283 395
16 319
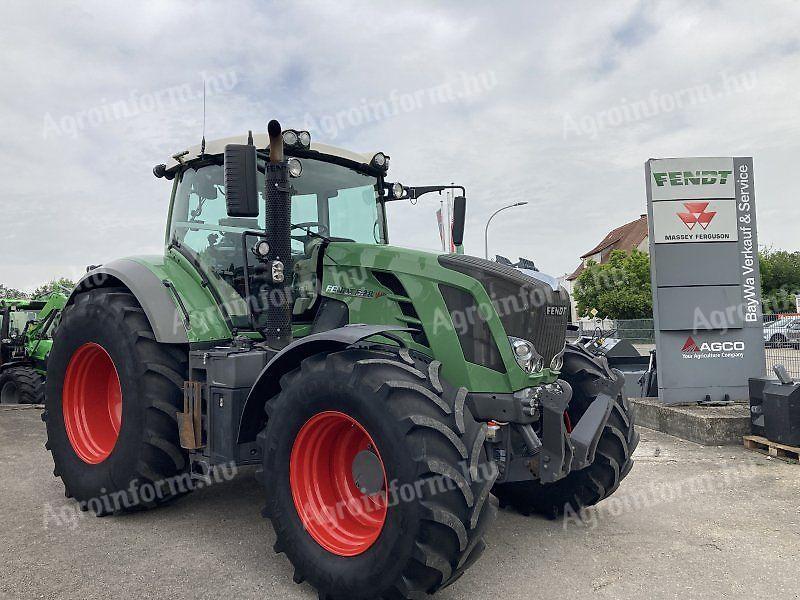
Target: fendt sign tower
705 278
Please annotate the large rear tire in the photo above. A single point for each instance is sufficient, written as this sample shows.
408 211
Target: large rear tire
112 397
21 385
584 488
374 407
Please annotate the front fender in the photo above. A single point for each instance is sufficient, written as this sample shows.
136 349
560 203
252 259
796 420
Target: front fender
267 384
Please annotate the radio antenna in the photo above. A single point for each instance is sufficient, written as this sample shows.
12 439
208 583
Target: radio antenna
203 140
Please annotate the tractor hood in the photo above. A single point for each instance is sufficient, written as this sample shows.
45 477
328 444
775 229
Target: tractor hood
483 303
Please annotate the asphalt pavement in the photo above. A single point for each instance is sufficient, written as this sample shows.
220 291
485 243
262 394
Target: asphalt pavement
689 522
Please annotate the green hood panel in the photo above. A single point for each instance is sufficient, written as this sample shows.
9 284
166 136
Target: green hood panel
348 269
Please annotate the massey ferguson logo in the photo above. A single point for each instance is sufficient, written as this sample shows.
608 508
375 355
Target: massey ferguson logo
690 345
691 349
696 214
691 177
555 311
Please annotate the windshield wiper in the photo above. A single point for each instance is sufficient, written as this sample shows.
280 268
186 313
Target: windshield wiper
307 229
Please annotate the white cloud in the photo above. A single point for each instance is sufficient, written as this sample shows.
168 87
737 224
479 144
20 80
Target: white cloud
69 201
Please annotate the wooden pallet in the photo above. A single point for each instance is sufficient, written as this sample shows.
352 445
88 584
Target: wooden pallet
764 446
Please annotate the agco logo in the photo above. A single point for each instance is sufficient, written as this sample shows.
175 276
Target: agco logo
691 177
732 349
696 215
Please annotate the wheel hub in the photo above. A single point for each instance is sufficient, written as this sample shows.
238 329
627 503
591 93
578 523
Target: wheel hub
368 472
338 483
92 403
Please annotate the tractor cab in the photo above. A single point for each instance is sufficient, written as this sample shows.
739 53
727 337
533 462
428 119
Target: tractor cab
16 317
337 196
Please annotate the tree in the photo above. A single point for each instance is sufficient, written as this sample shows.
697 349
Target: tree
618 289
780 280
7 292
56 285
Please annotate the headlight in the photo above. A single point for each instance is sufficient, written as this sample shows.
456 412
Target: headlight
304 138
526 355
398 190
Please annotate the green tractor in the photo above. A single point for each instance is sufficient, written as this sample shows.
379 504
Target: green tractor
26 337
382 394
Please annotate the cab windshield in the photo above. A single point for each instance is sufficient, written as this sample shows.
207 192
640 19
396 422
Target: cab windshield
331 200
18 319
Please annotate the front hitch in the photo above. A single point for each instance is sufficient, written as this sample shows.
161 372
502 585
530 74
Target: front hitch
563 451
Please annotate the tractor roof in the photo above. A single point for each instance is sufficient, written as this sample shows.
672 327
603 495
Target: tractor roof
261 140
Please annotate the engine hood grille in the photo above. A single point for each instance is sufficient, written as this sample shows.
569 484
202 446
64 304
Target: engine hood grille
529 308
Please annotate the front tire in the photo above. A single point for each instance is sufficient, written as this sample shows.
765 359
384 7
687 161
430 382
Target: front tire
21 385
112 397
425 525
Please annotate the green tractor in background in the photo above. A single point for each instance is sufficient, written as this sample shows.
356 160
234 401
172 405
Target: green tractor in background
26 336
383 394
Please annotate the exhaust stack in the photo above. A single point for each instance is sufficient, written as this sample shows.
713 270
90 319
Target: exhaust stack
277 195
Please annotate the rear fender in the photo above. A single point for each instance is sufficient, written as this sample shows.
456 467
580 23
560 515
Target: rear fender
166 319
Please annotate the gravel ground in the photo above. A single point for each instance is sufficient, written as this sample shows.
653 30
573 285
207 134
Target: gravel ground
689 522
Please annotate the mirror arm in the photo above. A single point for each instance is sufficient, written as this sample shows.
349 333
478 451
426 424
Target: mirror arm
413 193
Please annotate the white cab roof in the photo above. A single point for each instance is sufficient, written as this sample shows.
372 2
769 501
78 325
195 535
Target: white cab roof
214 147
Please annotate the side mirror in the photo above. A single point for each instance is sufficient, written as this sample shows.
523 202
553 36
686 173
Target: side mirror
459 219
241 187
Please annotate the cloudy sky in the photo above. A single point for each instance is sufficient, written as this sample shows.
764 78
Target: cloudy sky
557 104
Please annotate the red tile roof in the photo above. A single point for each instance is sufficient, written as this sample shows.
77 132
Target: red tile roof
626 237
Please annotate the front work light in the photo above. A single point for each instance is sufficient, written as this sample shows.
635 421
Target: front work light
295 167
380 161
261 249
290 137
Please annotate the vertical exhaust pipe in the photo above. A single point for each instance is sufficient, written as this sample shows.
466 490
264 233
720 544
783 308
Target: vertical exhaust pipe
277 195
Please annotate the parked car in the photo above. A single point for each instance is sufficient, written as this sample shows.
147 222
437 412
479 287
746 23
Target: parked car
783 333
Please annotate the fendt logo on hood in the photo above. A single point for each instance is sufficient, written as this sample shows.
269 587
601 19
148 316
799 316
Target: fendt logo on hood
730 349
691 178
696 215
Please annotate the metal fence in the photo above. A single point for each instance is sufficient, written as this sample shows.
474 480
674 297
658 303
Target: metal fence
637 331
781 337
782 342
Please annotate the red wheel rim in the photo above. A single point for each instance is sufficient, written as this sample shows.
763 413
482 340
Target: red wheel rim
92 403
335 512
